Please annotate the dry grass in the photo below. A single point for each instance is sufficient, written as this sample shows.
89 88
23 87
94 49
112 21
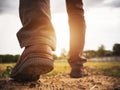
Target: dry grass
59 79
106 68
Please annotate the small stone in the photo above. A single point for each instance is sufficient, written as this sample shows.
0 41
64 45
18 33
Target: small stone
32 85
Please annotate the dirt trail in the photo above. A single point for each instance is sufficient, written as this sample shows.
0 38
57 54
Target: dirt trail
64 82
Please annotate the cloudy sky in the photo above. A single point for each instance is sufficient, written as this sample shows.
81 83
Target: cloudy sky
102 19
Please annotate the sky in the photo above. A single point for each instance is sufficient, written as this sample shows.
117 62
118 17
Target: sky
102 20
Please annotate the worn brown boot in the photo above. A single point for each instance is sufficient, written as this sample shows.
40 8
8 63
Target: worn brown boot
34 61
77 68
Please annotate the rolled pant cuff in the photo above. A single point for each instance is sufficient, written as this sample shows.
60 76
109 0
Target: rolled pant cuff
38 41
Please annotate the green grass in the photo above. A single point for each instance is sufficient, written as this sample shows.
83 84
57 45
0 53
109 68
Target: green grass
105 68
5 70
60 67
3 66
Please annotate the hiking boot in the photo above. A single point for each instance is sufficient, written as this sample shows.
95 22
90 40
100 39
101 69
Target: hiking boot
34 61
77 68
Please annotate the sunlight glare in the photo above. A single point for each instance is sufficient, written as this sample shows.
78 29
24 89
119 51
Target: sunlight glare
60 23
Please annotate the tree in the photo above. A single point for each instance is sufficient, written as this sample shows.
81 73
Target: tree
116 49
101 51
108 53
89 54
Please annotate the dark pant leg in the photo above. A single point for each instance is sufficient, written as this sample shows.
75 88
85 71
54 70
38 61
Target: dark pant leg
37 28
77 27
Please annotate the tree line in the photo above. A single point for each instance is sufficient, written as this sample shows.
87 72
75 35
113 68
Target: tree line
8 58
101 52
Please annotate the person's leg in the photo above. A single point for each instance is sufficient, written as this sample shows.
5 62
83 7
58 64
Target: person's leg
36 20
77 36
38 37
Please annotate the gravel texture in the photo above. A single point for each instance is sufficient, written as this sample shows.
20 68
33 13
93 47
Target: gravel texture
64 82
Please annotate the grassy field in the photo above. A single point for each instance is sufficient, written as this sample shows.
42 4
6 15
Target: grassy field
105 68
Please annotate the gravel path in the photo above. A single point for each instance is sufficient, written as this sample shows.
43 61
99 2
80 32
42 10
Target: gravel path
64 82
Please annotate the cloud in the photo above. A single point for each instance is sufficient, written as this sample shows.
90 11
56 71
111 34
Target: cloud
58 6
1 5
93 3
114 4
101 3
8 6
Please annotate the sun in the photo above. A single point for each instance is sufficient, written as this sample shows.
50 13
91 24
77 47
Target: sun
60 23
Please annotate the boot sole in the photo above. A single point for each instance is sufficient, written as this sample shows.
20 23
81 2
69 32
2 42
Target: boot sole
31 69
